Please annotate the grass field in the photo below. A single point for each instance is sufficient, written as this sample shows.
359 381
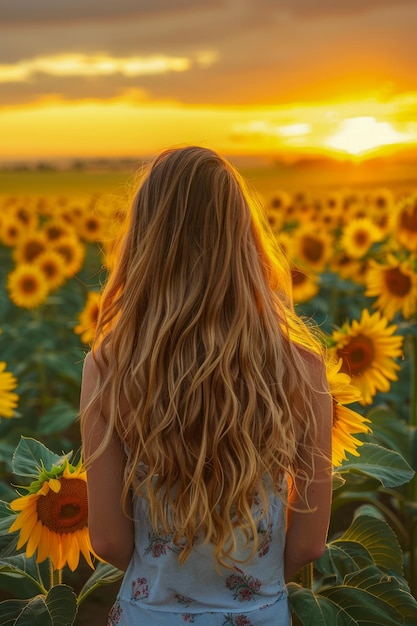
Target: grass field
315 174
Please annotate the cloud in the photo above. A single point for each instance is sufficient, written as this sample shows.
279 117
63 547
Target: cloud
55 11
266 52
69 65
323 8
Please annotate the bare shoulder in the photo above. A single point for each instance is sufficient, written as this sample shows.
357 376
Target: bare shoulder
93 370
315 366
94 365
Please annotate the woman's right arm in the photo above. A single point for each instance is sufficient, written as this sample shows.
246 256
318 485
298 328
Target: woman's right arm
308 518
110 528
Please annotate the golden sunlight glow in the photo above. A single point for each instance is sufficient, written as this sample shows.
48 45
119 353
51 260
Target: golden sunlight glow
358 135
133 123
101 65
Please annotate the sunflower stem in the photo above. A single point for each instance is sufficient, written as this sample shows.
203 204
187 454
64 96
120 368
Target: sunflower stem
307 576
413 390
55 575
412 486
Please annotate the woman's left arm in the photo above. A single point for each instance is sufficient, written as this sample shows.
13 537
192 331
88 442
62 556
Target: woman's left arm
111 529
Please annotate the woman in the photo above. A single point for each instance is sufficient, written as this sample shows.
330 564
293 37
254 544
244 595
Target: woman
205 412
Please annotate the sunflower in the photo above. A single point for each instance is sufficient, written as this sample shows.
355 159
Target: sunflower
56 228
29 247
73 253
27 286
26 215
8 399
395 284
52 517
346 422
91 227
88 318
304 286
406 223
52 266
312 248
358 236
11 231
368 349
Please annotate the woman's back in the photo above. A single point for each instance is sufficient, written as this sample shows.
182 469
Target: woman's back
157 589
202 370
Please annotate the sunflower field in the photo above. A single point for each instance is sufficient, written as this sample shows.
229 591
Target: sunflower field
354 271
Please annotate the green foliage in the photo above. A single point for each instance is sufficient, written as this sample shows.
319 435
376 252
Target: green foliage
368 573
58 607
361 581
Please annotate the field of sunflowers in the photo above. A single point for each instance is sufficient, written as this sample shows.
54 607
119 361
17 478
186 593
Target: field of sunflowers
354 270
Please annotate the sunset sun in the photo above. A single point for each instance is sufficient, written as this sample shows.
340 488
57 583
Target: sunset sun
357 135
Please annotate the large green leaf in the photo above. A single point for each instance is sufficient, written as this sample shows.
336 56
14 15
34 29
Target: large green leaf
29 456
62 606
391 431
371 597
379 540
367 541
316 610
21 566
57 608
104 574
342 558
387 466
24 612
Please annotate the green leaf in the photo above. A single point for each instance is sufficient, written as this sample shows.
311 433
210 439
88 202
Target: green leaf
24 612
316 610
29 456
387 466
57 608
22 566
391 431
62 606
371 597
379 540
104 574
57 419
342 558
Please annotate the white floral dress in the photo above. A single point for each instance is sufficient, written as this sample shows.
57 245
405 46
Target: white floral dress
157 590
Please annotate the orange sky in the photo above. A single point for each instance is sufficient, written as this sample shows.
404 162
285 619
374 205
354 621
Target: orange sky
259 77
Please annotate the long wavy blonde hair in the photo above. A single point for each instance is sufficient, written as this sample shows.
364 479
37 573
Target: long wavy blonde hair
201 354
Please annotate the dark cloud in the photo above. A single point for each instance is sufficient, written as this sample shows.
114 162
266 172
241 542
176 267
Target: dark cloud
265 52
323 8
58 11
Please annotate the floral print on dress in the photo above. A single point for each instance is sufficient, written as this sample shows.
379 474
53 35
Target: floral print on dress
244 586
237 620
160 545
140 589
115 614
184 600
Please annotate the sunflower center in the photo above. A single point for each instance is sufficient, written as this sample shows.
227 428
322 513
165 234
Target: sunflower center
54 232
398 283
92 225
67 510
312 248
50 268
66 252
409 220
357 355
29 285
361 238
32 250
